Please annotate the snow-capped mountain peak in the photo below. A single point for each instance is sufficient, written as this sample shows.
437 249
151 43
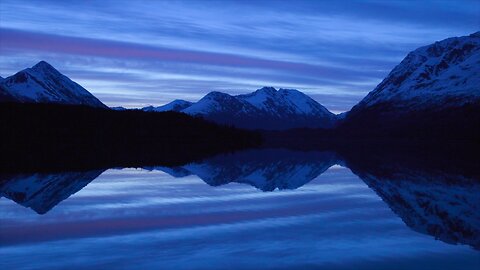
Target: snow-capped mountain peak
46 68
284 102
42 83
445 73
268 90
260 98
303 103
265 108
209 103
219 103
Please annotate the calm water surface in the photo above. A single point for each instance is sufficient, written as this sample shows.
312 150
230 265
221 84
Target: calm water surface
245 214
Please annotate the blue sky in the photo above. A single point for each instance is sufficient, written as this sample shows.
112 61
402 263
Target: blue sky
137 53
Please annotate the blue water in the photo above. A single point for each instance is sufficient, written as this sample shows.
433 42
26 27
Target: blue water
148 219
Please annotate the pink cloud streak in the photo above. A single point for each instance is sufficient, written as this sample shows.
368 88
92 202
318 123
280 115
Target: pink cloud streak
17 40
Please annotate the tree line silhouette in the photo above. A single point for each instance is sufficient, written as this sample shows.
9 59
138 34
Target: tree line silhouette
49 136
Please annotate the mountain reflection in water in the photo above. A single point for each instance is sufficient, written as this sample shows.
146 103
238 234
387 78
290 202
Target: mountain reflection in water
441 201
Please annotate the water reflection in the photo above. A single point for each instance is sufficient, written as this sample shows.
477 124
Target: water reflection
319 207
42 191
265 169
431 198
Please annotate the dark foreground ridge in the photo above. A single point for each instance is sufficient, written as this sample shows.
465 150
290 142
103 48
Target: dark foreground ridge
39 137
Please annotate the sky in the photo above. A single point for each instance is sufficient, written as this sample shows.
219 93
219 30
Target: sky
139 53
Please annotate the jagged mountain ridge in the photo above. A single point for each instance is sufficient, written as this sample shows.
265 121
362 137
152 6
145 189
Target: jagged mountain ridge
42 83
266 108
284 102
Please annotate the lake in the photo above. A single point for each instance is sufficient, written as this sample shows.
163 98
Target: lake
255 209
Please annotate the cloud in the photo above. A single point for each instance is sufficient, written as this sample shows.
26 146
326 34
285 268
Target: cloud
29 41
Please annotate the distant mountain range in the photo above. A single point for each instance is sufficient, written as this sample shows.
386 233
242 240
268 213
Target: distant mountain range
265 108
437 85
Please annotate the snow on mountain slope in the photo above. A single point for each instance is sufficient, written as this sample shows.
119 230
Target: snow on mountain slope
284 102
217 102
443 74
176 106
44 84
225 109
259 98
265 108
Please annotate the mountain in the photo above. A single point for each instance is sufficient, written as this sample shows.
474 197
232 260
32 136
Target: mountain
446 73
176 106
266 108
435 87
44 84
285 102
5 95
